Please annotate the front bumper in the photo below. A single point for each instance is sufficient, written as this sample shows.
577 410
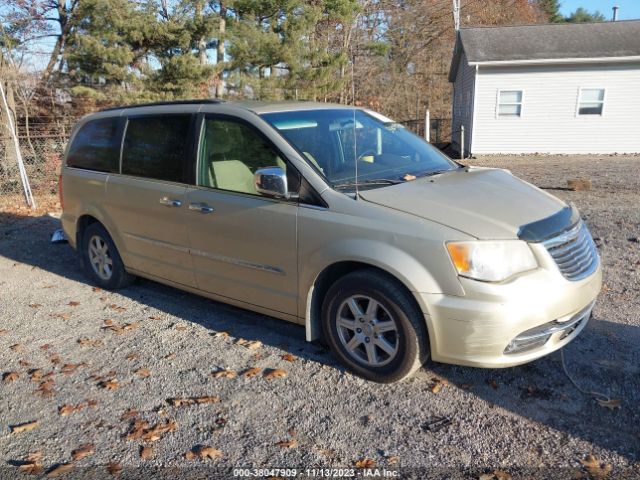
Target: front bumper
479 328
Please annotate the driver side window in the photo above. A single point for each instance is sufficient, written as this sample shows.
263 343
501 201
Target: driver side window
230 154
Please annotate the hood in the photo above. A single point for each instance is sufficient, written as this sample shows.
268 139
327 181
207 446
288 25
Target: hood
485 203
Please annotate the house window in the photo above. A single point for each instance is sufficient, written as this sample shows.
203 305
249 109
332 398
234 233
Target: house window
591 101
510 103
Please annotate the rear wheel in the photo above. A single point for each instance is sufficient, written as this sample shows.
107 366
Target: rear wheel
101 260
374 327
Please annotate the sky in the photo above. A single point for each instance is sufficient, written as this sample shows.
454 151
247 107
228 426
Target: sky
629 9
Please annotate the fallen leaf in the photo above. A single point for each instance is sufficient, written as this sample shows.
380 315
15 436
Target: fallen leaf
55 359
251 345
62 316
86 342
501 475
170 356
121 330
3 331
393 460
610 404
143 372
185 401
596 469
117 308
35 374
251 372
31 464
96 289
114 468
131 413
154 318
45 388
209 452
437 384
35 305
108 322
156 432
83 451
68 368
67 409
181 328
24 363
275 373
10 376
287 443
73 303
17 347
224 374
109 384
365 463
146 452
140 430
31 468
203 452
287 357
220 335
45 346
60 469
23 427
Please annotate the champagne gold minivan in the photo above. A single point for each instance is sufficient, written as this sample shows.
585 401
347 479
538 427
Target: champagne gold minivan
336 218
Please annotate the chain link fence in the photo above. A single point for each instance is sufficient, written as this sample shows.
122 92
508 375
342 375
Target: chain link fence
42 156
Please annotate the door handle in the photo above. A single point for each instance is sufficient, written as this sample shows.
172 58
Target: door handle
201 207
170 202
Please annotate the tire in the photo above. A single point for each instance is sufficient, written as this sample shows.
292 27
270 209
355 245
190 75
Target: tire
103 267
384 341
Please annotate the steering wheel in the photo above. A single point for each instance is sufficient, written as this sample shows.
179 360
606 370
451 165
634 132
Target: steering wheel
366 152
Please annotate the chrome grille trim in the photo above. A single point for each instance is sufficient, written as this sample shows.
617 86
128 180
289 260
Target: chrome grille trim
574 252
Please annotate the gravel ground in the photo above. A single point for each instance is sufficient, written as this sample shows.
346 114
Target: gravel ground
69 345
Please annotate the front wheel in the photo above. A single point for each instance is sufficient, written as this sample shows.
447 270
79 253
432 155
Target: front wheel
374 327
101 260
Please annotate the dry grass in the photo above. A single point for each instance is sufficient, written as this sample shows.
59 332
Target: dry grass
13 207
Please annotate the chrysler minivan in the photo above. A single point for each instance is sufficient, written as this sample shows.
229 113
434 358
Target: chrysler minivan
336 218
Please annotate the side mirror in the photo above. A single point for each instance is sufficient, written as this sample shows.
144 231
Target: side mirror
271 181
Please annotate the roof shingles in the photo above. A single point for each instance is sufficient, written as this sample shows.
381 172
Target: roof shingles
549 42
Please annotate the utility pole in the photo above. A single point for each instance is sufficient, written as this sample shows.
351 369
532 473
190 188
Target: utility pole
456 14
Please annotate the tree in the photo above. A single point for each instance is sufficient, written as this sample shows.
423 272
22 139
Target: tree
551 8
582 15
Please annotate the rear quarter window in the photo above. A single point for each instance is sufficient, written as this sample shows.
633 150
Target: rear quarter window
157 147
96 146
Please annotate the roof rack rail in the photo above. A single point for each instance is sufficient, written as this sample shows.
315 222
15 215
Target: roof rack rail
172 102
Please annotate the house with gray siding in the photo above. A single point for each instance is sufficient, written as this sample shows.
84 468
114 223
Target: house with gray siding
549 88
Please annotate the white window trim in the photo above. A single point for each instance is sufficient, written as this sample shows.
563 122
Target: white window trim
515 89
604 100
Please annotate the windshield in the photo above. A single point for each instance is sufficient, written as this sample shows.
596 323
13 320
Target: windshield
334 141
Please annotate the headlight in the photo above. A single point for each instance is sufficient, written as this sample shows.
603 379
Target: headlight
491 261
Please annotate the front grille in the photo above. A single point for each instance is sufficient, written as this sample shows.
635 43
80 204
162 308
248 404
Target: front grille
574 252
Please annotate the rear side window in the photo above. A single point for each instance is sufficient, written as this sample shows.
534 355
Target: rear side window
96 146
157 147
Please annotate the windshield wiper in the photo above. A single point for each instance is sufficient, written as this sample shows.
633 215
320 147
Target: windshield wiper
435 172
374 181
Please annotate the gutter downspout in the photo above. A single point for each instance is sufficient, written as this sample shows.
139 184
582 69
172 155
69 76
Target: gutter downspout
473 115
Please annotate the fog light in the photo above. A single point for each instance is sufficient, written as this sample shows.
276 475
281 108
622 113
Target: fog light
522 344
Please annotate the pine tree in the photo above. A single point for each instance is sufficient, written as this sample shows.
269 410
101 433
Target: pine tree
582 15
551 9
